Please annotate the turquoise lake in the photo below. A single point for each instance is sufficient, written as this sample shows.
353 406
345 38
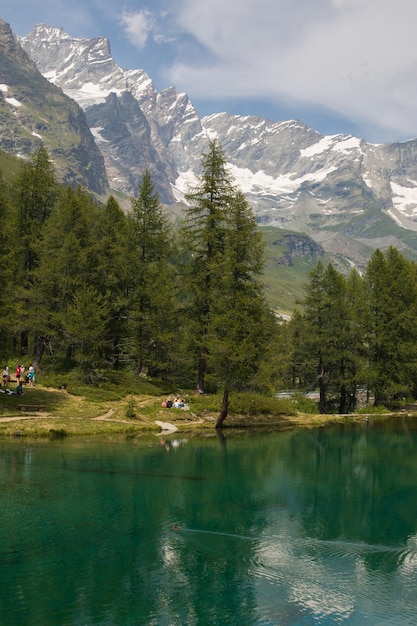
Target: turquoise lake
301 528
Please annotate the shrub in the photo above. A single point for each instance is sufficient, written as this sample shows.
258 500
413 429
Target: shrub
131 409
245 404
59 433
380 409
303 404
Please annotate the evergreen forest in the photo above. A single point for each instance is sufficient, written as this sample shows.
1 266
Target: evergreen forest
90 289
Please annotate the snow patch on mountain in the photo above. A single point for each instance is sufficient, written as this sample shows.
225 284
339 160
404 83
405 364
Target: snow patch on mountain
405 198
292 175
10 100
341 143
260 183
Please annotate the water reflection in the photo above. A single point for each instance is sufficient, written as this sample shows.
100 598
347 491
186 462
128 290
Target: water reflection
309 527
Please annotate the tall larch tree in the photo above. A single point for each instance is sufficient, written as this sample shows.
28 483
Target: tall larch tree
391 336
152 294
238 316
354 355
66 272
206 223
326 320
112 270
7 291
35 190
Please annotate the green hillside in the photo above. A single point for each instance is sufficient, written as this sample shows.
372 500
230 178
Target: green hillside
9 165
286 271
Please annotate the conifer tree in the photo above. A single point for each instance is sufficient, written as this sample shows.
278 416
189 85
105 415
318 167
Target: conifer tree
152 294
7 291
83 326
296 369
67 265
354 358
112 277
34 192
326 320
238 313
391 337
204 235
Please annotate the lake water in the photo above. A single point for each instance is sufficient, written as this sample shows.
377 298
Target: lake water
303 528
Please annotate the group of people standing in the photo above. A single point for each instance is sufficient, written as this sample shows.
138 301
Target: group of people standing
19 374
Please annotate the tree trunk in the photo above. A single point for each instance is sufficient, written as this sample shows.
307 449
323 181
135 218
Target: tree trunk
322 400
343 400
24 342
41 343
352 401
224 410
139 366
116 353
201 374
322 390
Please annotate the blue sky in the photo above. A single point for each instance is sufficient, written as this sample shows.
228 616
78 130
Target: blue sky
340 66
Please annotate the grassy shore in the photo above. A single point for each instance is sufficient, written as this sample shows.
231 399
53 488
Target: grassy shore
136 414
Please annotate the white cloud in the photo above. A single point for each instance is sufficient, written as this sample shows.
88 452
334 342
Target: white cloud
355 60
141 26
137 25
354 57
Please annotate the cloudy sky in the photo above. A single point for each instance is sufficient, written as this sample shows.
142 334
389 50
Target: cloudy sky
340 66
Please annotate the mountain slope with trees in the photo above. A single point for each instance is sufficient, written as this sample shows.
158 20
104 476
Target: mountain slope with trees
88 289
96 289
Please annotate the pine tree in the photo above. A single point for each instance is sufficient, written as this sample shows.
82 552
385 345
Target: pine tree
112 277
204 235
151 277
35 190
35 194
67 265
326 321
355 356
238 313
83 326
391 337
7 291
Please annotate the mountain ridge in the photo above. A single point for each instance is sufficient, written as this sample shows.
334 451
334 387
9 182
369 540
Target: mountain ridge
33 111
349 196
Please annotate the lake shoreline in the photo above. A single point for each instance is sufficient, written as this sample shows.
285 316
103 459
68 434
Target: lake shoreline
47 425
54 413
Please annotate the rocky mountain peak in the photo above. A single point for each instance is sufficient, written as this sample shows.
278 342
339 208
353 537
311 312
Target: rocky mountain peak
33 111
332 189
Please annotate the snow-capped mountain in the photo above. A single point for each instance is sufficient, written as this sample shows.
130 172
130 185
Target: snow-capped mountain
132 123
337 189
33 112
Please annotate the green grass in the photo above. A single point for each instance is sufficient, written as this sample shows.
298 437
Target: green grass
85 410
121 405
284 285
9 165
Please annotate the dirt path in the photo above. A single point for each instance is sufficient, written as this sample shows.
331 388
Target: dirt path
18 418
43 415
106 417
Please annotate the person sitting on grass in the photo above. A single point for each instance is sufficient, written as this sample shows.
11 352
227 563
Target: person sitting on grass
17 392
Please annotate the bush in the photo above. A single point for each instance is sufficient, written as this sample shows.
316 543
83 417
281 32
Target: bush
303 404
109 385
131 409
245 404
373 410
59 433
